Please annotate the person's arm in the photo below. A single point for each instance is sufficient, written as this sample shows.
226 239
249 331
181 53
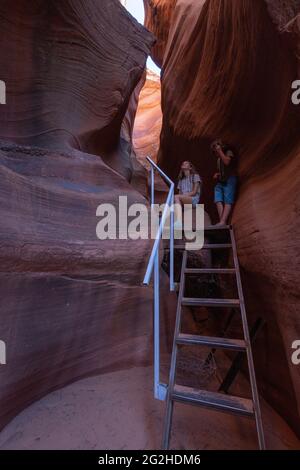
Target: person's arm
196 188
225 158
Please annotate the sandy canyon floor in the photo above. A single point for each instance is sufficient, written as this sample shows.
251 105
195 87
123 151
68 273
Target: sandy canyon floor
118 411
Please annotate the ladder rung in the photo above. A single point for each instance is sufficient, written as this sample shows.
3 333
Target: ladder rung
215 228
216 401
222 343
195 302
206 246
210 271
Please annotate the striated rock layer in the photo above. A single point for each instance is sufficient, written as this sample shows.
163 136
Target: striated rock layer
70 305
227 73
72 68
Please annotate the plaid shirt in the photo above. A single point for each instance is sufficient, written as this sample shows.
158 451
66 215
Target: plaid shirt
186 184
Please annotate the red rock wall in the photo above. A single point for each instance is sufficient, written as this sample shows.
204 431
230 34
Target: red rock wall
67 90
70 305
158 18
227 72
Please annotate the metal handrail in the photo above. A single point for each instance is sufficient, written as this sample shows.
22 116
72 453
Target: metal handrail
168 207
160 390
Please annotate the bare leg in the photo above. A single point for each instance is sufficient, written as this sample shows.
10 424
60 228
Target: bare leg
180 200
226 213
220 207
178 208
186 199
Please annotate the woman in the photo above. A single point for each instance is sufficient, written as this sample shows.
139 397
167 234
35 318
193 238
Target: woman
189 187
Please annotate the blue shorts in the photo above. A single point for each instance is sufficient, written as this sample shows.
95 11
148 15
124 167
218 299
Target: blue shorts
196 200
226 192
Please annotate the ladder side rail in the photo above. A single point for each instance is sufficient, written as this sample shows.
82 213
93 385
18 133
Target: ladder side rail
169 410
247 338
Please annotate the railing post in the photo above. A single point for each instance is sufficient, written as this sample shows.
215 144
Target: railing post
156 328
172 284
160 390
152 187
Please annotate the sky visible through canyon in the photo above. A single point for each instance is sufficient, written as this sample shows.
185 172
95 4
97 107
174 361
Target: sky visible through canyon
136 8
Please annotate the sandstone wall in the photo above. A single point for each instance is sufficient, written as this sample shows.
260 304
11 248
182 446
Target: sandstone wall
70 305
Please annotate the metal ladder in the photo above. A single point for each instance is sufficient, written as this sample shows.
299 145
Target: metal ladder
216 401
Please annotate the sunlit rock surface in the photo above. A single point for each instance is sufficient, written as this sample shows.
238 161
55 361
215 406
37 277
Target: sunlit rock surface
147 126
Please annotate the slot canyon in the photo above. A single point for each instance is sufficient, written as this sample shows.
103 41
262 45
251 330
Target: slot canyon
82 113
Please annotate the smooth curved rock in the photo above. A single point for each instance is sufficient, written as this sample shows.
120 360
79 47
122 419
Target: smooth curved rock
132 167
72 305
71 85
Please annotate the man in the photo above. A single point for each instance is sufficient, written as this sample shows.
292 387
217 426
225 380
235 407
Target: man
227 179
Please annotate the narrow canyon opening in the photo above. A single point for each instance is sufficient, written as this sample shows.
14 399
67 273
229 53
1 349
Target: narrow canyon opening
148 119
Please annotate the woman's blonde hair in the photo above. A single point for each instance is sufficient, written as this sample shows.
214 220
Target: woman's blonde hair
193 171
